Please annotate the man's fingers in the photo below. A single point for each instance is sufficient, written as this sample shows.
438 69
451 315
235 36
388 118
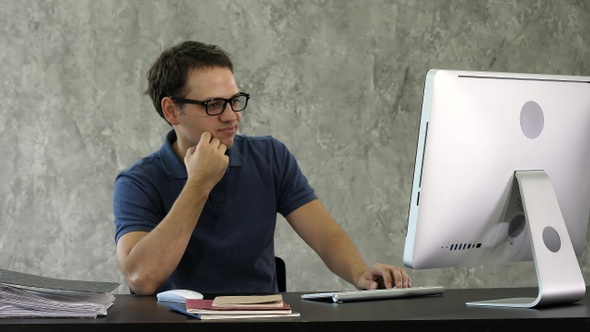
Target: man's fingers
190 151
206 137
366 283
402 278
390 276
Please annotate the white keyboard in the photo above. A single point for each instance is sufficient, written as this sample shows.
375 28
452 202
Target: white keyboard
375 294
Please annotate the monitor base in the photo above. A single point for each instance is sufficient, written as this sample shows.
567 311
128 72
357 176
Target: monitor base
558 272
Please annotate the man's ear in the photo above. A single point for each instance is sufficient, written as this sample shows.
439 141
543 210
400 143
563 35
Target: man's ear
169 110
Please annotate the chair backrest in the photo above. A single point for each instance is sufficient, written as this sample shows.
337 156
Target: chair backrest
281 274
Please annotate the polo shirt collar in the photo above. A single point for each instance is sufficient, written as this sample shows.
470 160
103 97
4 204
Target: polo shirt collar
175 166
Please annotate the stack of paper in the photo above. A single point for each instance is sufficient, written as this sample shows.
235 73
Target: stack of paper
26 295
240 307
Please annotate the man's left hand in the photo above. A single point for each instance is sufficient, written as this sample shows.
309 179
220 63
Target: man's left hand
384 276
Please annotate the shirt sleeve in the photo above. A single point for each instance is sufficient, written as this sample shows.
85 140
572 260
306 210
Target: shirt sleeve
293 189
134 208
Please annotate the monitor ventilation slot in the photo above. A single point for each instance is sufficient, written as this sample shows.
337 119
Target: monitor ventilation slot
462 246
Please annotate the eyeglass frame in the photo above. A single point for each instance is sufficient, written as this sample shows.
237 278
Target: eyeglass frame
205 103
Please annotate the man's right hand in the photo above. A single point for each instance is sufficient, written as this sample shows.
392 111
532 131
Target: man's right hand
206 162
148 259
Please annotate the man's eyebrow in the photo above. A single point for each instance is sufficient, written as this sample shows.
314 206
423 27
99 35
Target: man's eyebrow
235 95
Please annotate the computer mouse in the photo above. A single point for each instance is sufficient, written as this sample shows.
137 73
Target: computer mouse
179 295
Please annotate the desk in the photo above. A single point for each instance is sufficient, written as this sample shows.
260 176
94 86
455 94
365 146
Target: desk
441 313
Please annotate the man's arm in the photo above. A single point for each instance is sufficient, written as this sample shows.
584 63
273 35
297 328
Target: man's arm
148 259
321 232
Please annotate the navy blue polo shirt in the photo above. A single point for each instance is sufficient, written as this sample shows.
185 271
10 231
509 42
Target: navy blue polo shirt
232 247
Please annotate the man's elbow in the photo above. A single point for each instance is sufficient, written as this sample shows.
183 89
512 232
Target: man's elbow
142 285
140 281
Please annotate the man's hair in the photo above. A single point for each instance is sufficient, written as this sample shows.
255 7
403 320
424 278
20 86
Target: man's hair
167 76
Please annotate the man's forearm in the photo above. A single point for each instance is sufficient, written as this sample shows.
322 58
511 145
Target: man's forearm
148 259
320 231
342 257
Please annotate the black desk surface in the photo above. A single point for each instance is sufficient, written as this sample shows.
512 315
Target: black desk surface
441 313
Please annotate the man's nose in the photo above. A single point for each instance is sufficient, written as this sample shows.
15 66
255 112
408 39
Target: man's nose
227 114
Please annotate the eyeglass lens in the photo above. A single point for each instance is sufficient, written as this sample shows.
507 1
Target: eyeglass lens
237 104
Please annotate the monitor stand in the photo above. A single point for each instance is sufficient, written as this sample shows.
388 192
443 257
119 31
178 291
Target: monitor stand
558 272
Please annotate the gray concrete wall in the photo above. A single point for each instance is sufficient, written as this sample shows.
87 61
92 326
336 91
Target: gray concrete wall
340 82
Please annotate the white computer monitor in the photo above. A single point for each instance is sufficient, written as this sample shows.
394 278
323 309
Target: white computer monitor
502 174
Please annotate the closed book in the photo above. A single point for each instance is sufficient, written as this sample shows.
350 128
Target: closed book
272 301
206 307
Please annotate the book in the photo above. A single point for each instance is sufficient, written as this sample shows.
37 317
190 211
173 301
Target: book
245 301
31 281
181 308
237 307
206 307
27 295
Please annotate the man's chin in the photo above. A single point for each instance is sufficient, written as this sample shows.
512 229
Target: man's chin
226 138
228 142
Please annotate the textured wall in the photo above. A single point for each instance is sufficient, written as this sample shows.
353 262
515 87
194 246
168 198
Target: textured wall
340 82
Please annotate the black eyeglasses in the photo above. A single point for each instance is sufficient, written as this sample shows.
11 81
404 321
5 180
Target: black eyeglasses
216 106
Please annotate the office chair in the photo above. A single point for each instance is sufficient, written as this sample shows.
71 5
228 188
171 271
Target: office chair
281 269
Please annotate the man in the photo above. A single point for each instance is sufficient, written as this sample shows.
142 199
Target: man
200 213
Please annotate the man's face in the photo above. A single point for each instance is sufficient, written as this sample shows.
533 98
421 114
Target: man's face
203 85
